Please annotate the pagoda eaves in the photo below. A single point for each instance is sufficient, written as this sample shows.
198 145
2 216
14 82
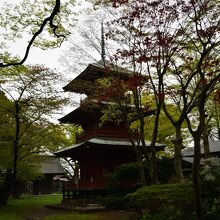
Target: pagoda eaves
93 72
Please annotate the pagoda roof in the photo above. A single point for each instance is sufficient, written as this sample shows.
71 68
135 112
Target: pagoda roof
102 142
80 115
92 112
93 72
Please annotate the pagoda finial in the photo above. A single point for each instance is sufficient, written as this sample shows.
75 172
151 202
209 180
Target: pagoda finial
102 43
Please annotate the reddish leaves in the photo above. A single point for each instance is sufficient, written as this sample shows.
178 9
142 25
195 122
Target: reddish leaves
117 88
160 95
143 58
135 81
217 96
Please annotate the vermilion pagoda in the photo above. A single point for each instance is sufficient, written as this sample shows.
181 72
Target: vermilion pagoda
99 149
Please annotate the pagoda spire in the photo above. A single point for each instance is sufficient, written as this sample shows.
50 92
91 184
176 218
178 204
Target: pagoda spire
102 44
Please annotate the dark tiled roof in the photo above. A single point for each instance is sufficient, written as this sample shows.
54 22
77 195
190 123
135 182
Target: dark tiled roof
117 143
213 145
93 72
52 166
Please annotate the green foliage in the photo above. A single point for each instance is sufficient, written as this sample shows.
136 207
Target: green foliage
29 168
28 99
114 201
165 214
124 172
128 174
111 113
125 175
165 169
166 131
213 119
165 198
210 181
27 17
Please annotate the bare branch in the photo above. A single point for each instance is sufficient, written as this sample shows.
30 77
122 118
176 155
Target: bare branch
54 27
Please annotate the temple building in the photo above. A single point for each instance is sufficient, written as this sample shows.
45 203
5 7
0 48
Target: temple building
99 149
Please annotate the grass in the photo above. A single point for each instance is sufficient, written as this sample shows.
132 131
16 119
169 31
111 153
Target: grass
108 215
16 209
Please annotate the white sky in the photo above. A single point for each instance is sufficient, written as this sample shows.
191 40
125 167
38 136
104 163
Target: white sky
37 56
49 57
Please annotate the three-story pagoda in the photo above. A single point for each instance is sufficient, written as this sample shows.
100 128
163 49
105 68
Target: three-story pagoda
98 150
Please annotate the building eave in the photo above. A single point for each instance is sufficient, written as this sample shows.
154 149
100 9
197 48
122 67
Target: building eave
117 143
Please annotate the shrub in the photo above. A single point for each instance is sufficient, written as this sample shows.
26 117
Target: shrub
210 181
165 169
123 176
165 198
114 201
127 175
165 214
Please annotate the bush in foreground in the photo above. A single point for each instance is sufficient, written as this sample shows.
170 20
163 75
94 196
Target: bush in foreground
114 201
210 182
166 201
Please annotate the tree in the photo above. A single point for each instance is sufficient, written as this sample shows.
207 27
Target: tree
198 74
118 89
35 18
32 98
148 47
178 41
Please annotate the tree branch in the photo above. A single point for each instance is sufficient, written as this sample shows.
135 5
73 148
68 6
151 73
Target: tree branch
54 27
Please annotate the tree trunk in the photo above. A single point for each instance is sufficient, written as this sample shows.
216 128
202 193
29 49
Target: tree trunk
5 188
205 138
141 139
140 167
153 162
178 146
142 173
137 151
197 135
16 190
196 176
218 128
9 184
154 177
155 169
15 147
219 134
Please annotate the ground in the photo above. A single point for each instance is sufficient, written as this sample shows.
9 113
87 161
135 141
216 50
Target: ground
43 212
30 207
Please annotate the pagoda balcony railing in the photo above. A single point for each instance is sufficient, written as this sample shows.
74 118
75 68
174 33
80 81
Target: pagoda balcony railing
101 132
83 190
85 185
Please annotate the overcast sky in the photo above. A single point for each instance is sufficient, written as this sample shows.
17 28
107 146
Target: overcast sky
49 57
36 56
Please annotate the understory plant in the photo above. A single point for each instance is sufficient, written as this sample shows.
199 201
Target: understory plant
165 201
210 181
